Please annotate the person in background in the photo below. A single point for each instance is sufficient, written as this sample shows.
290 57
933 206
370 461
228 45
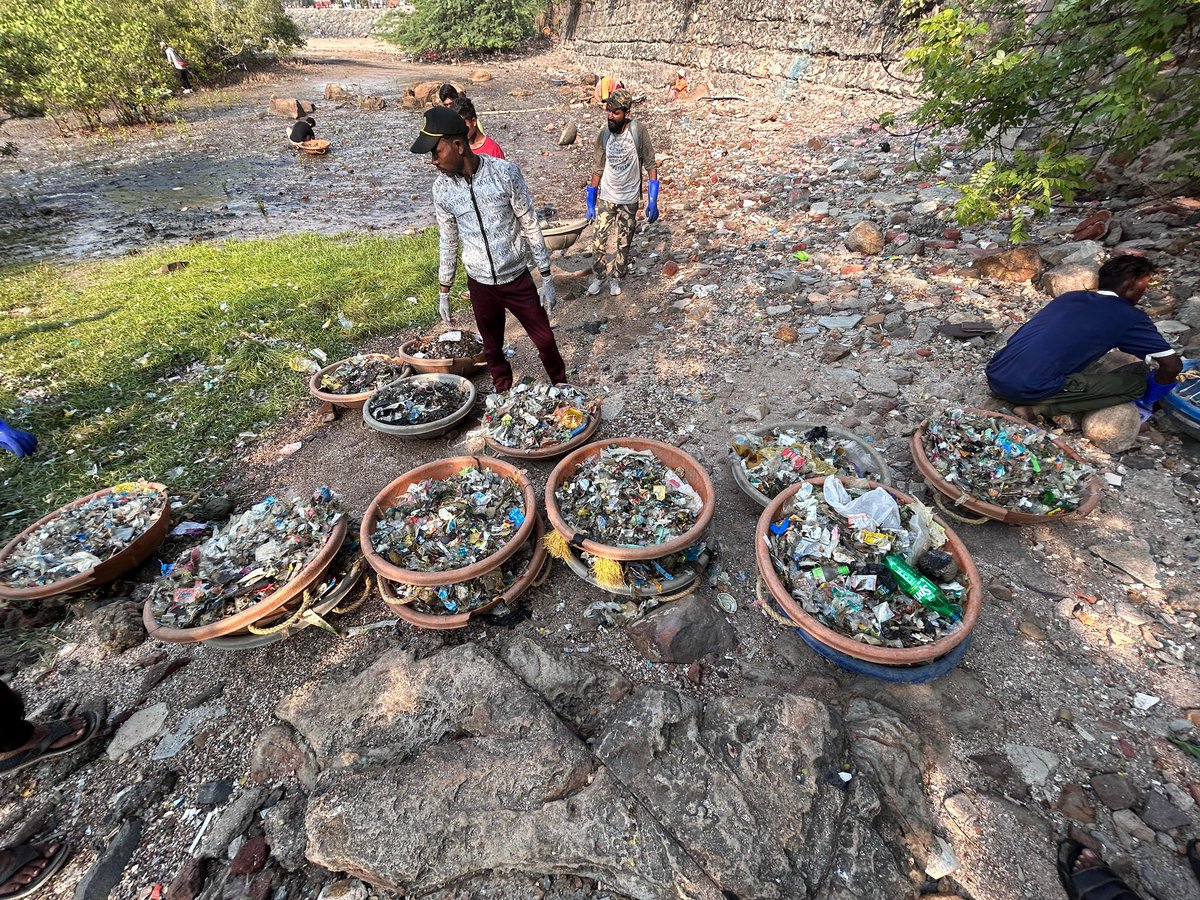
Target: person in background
447 94
1040 369
179 64
14 440
302 130
484 204
679 87
605 85
622 150
480 142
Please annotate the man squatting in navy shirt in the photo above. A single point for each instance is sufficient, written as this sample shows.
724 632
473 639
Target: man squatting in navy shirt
1040 369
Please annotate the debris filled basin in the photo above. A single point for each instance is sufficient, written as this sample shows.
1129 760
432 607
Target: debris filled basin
776 517
1006 451
417 398
539 421
504 584
104 563
360 375
778 456
425 504
562 235
458 356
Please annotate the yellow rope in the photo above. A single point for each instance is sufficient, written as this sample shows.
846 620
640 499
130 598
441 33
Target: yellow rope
305 604
609 573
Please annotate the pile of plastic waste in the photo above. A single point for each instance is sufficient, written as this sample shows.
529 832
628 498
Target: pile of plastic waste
535 415
783 457
360 373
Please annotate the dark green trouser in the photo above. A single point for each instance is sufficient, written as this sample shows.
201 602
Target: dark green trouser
1083 393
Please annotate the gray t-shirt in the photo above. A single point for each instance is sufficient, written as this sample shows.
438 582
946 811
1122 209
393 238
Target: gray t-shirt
621 157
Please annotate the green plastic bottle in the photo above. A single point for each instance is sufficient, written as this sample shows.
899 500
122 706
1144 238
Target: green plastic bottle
921 588
823 577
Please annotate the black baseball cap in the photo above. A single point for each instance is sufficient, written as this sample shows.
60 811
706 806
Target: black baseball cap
440 122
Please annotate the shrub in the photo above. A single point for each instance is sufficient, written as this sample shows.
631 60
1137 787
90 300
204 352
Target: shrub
460 24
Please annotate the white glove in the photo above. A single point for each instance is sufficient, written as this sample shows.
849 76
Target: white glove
444 306
548 294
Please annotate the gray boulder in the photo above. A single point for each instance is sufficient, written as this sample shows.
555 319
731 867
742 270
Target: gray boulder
1071 277
683 631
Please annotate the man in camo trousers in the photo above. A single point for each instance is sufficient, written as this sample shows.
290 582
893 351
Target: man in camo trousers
622 150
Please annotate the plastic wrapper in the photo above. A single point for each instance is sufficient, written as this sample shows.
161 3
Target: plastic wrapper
466 596
775 461
412 402
360 374
255 554
447 345
442 525
628 498
1017 467
844 562
535 415
84 536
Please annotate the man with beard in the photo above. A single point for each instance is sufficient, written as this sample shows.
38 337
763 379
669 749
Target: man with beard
622 150
484 202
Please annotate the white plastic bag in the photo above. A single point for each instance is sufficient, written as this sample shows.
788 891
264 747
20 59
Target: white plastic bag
876 510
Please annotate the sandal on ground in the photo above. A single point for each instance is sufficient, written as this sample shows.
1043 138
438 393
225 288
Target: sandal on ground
31 853
1096 883
44 748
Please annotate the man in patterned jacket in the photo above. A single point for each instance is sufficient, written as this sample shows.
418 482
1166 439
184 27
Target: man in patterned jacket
484 203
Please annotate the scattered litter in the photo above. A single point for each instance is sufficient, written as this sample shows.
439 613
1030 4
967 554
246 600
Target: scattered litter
439 526
448 345
410 401
1014 466
361 373
628 498
727 602
783 457
80 538
855 561
535 415
257 553
189 529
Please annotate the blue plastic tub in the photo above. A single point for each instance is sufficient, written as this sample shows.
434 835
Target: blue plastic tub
1183 404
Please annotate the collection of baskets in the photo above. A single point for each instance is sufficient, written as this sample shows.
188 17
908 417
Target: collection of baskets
329 576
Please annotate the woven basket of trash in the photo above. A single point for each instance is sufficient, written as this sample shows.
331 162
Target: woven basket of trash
1003 468
867 570
447 606
449 521
248 570
420 406
86 543
539 421
626 500
768 460
670 575
453 352
349 382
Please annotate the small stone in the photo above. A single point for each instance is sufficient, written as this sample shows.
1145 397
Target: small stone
683 632
1021 264
231 823
107 871
756 411
250 858
1132 557
1001 592
781 310
137 729
346 889
479 76
118 625
188 881
786 334
870 173
569 133
1073 804
963 811
1033 631
670 269
160 672
865 238
214 793
1115 791
215 509
880 384
281 753
1189 312
1130 826
1113 429
1033 763
1160 814
839 322
1071 277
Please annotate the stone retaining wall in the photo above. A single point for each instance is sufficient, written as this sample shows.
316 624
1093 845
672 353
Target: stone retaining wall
754 47
339 23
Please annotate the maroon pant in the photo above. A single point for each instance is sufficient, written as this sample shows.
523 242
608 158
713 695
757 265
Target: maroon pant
520 297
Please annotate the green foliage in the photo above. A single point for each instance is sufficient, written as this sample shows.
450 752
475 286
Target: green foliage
1087 78
89 56
460 24
122 373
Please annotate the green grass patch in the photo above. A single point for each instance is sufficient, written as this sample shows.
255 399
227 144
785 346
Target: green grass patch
123 373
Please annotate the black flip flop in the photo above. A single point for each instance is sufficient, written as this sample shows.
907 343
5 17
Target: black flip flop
26 854
1097 883
55 731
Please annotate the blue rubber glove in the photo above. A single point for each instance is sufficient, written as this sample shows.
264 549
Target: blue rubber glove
22 443
592 193
1154 393
652 205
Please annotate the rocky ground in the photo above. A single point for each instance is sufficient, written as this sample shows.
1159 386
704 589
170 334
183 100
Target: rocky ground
544 755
